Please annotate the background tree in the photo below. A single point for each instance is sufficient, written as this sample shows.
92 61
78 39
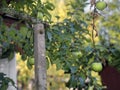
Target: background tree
109 32
73 50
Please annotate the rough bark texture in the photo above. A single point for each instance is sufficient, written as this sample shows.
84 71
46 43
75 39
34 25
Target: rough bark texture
39 52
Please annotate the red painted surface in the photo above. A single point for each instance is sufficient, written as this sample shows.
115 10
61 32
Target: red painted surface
111 78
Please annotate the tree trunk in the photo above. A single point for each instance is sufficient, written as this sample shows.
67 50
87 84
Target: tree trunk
39 54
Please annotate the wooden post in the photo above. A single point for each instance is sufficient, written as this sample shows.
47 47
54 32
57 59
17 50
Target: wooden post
39 54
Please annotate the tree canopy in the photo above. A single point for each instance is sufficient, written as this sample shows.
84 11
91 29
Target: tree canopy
73 42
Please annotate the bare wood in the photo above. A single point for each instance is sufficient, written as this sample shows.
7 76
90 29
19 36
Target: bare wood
40 61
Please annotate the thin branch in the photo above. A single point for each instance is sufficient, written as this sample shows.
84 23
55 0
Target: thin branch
93 27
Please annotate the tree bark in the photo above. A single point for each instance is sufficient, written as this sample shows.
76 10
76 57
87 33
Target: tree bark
39 54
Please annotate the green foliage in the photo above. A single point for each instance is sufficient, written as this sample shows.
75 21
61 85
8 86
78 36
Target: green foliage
28 9
21 40
68 43
5 82
109 33
18 37
13 40
72 48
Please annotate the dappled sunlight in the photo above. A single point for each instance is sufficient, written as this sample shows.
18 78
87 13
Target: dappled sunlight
56 79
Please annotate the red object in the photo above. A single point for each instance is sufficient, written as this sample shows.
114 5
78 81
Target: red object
111 78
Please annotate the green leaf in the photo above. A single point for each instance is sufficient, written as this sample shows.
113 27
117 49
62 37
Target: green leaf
23 31
11 56
49 6
2 76
29 65
24 57
73 69
49 35
91 88
72 82
29 34
82 81
3 86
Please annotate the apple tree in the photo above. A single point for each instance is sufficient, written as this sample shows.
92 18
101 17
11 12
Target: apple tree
18 36
109 32
71 45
